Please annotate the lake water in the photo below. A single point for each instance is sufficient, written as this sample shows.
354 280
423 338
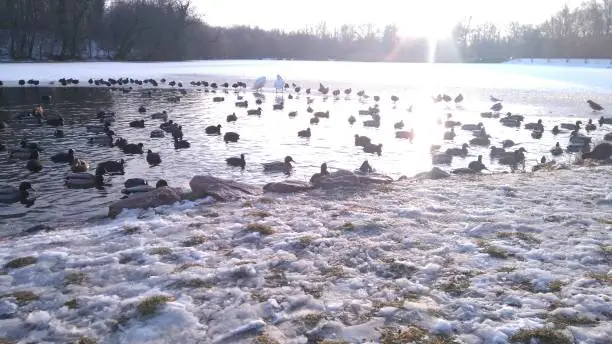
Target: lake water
554 94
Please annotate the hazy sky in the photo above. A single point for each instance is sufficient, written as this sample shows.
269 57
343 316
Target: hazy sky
410 15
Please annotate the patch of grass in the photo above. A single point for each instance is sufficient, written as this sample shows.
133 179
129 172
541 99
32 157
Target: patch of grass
71 304
604 221
312 319
526 237
401 269
507 269
334 271
162 251
23 297
606 250
75 277
347 226
264 339
378 304
85 340
20 262
456 284
555 286
128 230
315 292
6 341
260 228
245 262
262 214
600 277
192 283
151 305
562 321
493 251
389 335
186 266
542 335
266 200
195 241
306 240
247 204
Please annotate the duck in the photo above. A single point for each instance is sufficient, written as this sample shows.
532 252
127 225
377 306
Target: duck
142 188
481 141
535 126
459 98
497 152
236 162
594 106
399 125
607 137
351 119
477 165
34 164
555 130
213 129
153 159
508 143
536 134
98 128
472 127
231 136
314 120
137 123
121 142
556 150
514 158
576 138
570 126
58 133
603 120
292 114
408 135
321 114
441 159
232 118
181 144
372 148
11 194
590 126
84 179
157 133
64 157
450 135
497 107
254 112
362 140
317 176
112 167
279 166
242 104
79 165
304 133
55 122
132 182
160 115
365 167
105 140
133 148
602 151
458 151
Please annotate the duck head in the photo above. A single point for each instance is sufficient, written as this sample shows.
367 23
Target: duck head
24 187
324 171
289 159
464 146
161 183
480 158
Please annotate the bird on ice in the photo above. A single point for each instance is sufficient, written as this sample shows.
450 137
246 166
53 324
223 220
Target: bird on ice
279 84
259 83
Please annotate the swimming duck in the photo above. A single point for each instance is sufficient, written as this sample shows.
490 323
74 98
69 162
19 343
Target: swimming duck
555 130
535 126
133 148
450 135
236 162
112 167
136 189
472 127
594 106
137 123
231 136
603 120
321 114
64 157
399 125
514 158
570 126
254 112
160 115
132 182
458 151
232 117
58 133
153 159
590 126
79 166
292 113
481 141
314 120
55 122
11 194
181 144
34 163
279 166
372 148
576 138
121 143
142 109
536 134
366 167
105 140
477 165
84 179
213 129
351 119
409 135
98 128
304 133
317 176
497 152
602 151
157 133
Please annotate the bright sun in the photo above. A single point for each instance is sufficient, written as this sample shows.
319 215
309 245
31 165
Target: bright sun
426 21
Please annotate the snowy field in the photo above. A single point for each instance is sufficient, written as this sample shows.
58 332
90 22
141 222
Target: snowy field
487 259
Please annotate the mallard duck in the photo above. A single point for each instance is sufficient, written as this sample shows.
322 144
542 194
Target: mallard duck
304 133
317 176
11 194
279 166
213 129
64 157
34 163
477 165
85 180
80 166
153 159
236 162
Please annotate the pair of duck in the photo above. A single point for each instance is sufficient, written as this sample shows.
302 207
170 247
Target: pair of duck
275 166
76 165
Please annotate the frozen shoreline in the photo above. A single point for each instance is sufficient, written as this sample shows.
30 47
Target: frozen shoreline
476 258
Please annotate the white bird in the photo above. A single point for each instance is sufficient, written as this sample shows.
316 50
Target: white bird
259 83
279 84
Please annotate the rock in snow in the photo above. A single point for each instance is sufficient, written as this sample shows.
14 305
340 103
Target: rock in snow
221 189
154 198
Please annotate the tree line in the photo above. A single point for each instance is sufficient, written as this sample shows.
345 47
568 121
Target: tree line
166 30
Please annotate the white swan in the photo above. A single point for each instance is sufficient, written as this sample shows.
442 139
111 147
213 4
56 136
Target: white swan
259 83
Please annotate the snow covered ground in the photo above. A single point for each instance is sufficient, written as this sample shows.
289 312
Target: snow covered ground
586 63
466 260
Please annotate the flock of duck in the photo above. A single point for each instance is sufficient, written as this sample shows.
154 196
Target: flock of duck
78 169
